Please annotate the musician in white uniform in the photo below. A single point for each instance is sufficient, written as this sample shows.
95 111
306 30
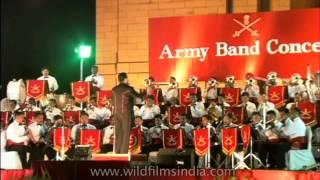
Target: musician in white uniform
52 110
155 133
138 123
71 105
296 86
52 82
96 80
31 105
84 124
149 110
18 138
197 108
249 106
212 90
108 137
172 91
188 128
264 104
252 88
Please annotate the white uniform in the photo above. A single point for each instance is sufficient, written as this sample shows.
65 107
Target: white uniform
171 93
155 132
296 129
52 82
268 106
108 134
93 112
37 131
17 133
147 112
212 93
77 127
32 108
197 110
292 90
97 78
254 91
188 128
71 108
51 112
105 113
250 107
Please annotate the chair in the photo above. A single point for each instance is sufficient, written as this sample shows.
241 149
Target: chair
9 159
299 159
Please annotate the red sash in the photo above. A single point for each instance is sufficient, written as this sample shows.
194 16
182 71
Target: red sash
136 141
232 95
103 96
91 137
175 112
58 140
276 95
81 91
202 141
5 116
184 95
173 138
246 136
155 93
308 113
36 88
229 140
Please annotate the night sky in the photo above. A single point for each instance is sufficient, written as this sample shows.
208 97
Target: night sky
38 33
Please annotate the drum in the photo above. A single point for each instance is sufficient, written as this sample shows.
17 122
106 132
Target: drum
16 90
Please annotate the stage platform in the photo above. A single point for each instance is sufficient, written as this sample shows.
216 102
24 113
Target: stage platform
68 170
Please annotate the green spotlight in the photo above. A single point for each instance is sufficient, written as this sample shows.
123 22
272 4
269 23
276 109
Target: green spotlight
84 51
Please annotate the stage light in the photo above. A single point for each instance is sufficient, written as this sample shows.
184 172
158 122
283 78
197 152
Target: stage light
84 51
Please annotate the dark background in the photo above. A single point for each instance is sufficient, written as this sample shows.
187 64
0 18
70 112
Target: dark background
38 33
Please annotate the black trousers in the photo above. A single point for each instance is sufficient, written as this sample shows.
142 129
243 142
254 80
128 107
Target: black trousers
107 148
122 132
39 150
22 152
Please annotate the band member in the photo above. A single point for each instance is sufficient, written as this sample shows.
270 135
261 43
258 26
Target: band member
193 83
264 104
285 120
123 97
138 122
71 105
297 99
188 128
155 133
228 118
151 86
96 80
172 91
106 112
84 124
197 109
222 102
37 139
212 90
18 138
31 105
252 88
273 80
108 137
52 110
249 106
259 137
296 86
215 113
92 109
230 81
313 87
52 82
148 111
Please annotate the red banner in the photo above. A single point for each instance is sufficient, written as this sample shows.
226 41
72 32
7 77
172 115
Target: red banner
5 116
232 95
308 113
72 116
201 141
36 88
103 97
277 95
218 45
61 136
175 112
173 138
81 91
239 113
184 95
156 92
91 137
136 141
229 140
30 116
246 136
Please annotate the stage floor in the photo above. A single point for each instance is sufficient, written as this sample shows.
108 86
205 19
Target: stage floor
67 170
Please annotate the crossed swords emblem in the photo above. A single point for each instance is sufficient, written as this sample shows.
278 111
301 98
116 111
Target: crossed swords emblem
246 25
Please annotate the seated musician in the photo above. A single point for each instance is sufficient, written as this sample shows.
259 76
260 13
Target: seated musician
92 109
193 83
52 110
197 109
155 133
84 124
105 112
215 113
31 105
264 104
71 105
297 99
172 91
228 118
38 131
249 106
188 128
138 123
222 102
148 111
108 136
18 138
285 120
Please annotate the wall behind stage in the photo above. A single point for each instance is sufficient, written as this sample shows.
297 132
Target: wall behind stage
37 33
122 43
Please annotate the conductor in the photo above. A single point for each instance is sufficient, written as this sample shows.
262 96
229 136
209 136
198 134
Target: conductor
123 97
